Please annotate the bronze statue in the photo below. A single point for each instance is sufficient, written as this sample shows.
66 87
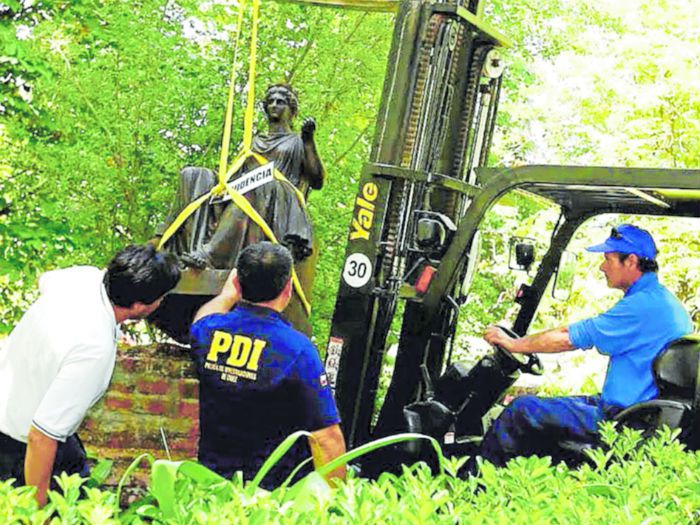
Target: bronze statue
213 235
294 155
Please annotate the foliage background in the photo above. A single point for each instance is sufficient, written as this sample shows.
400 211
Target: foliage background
103 102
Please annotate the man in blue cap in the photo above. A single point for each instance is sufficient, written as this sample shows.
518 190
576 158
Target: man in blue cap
632 333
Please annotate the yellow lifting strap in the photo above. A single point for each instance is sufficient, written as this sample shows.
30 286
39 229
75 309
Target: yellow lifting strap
225 173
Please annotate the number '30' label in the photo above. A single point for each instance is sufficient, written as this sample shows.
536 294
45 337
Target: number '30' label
358 270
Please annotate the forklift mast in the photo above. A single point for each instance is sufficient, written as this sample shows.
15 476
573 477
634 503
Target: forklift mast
434 128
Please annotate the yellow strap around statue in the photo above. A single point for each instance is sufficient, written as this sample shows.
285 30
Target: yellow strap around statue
251 212
228 121
240 201
192 207
247 150
252 61
224 172
277 174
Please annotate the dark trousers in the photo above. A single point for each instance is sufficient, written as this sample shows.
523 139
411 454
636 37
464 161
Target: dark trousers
538 426
70 458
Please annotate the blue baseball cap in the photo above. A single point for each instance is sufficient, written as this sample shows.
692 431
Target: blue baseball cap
626 238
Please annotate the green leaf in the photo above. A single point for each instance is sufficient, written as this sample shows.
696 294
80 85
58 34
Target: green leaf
308 494
100 472
272 460
130 469
15 5
165 473
601 489
380 443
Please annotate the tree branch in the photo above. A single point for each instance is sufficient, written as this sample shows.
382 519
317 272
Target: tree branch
352 146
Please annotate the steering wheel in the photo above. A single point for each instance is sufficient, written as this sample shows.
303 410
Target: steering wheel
528 363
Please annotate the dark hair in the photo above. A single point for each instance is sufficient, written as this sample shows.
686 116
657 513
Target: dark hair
264 269
644 263
140 274
289 94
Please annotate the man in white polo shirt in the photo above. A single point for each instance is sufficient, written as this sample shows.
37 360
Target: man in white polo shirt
59 359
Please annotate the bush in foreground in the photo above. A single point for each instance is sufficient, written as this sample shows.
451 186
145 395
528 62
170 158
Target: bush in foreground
629 481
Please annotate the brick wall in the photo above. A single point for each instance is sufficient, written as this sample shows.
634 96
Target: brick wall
153 387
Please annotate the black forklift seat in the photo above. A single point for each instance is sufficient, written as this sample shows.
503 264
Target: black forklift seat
676 376
676 368
675 372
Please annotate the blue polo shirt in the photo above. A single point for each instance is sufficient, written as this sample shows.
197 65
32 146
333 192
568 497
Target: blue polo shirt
260 380
633 333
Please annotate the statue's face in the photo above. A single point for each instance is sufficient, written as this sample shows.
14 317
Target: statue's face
277 107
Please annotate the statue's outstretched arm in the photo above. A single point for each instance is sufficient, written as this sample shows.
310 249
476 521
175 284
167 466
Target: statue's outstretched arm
313 167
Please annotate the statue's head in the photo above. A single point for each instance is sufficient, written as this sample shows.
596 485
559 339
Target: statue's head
278 96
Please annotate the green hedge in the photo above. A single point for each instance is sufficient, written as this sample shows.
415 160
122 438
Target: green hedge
629 481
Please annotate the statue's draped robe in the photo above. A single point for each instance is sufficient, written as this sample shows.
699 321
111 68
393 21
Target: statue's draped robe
287 152
218 230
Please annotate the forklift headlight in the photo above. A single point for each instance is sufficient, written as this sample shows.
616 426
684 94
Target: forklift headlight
430 234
